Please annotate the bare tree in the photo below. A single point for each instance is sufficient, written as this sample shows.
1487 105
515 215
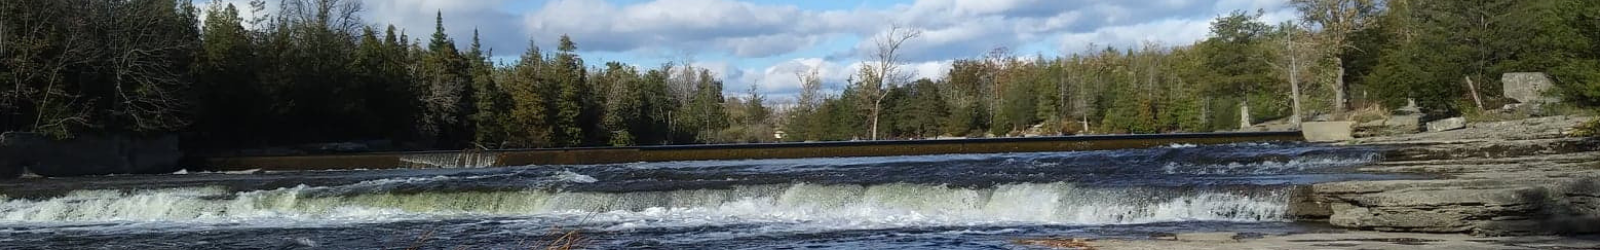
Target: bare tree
336 15
111 64
1338 19
810 88
1294 60
682 78
882 69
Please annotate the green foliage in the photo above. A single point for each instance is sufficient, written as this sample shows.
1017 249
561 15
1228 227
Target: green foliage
919 112
446 96
705 115
530 90
1578 75
225 81
315 73
1587 129
492 102
570 104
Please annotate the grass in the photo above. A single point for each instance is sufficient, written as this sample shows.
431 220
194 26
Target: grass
567 241
1367 114
1478 116
1587 129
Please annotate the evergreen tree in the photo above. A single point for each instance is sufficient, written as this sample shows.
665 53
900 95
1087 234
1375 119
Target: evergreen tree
624 107
492 104
530 91
446 98
570 104
225 80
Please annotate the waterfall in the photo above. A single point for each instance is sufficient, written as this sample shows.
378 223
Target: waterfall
464 159
893 204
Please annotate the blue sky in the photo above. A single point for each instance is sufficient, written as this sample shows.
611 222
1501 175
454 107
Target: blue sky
763 42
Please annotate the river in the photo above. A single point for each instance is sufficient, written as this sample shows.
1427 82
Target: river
964 201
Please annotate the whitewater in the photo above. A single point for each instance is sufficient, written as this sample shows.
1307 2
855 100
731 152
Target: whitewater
944 201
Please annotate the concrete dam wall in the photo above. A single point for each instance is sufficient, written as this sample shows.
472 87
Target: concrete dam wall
606 155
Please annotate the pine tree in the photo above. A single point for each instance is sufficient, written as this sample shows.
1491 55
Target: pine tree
446 98
569 77
492 104
225 80
530 93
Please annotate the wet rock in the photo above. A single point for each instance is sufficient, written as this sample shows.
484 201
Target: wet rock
1304 206
1448 124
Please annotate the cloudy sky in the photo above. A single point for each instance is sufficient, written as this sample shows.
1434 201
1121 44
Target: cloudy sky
763 42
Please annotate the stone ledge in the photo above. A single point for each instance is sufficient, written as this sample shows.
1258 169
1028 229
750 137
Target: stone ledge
1480 207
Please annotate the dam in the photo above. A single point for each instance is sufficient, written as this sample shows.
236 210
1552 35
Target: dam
608 155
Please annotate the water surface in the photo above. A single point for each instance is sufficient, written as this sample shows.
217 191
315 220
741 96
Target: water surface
974 201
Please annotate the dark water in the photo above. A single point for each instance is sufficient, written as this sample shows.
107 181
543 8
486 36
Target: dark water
939 202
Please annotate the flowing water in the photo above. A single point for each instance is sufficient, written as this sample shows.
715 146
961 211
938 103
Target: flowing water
978 201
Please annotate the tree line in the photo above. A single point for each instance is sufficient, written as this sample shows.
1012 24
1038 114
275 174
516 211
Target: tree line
315 72
1339 55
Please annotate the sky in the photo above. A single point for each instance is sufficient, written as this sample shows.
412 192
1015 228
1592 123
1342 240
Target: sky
764 42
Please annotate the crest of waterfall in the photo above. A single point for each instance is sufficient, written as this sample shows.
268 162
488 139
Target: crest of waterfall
464 159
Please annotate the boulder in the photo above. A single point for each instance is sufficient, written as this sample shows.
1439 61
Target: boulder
90 155
1528 87
1408 122
1328 131
1448 124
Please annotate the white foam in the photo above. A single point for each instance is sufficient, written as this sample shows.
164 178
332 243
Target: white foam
1267 167
570 176
796 207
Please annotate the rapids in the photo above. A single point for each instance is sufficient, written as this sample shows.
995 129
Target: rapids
944 201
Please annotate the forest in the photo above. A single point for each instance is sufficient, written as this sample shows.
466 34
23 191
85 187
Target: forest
316 72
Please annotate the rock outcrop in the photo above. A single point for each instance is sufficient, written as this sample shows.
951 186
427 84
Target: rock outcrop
87 155
1328 131
1447 124
1487 180
1526 87
1478 207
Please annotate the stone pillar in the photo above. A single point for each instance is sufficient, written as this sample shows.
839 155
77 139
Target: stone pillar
1244 115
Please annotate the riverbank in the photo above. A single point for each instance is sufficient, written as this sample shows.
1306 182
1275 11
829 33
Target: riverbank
1520 184
1507 178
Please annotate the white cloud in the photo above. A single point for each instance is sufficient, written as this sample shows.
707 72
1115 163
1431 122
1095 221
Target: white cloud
246 12
499 30
733 31
737 28
1166 32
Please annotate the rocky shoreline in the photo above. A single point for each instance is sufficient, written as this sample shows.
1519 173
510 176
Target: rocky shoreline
1495 179
1520 184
